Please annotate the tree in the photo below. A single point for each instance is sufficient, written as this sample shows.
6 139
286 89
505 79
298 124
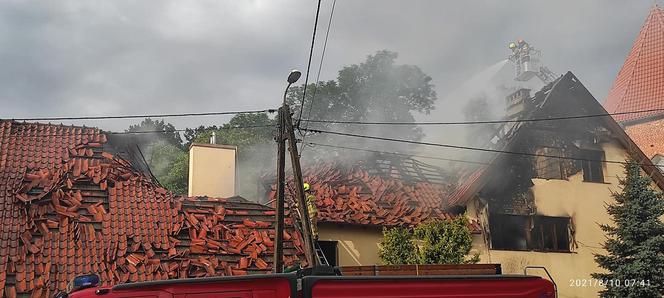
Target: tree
170 134
445 242
442 242
170 165
192 135
635 242
397 247
375 90
177 177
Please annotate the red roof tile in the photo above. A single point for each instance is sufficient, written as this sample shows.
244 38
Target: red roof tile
640 82
67 207
649 136
350 194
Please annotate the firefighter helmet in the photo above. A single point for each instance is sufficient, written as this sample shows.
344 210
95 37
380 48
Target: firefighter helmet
306 186
512 45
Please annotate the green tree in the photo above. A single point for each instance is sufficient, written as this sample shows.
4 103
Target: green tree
635 242
375 90
442 242
170 165
243 130
191 135
397 247
445 242
170 135
177 177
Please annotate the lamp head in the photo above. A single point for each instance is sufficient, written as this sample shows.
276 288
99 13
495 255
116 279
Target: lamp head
294 76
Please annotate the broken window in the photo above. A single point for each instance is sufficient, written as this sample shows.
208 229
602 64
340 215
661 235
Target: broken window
551 233
548 164
592 165
524 232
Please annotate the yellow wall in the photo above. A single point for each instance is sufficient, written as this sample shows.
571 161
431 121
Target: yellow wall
212 170
585 203
356 245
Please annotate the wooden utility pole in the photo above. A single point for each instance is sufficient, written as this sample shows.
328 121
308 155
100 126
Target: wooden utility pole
278 263
286 131
309 249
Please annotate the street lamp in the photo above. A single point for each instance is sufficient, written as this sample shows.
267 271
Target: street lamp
293 76
278 264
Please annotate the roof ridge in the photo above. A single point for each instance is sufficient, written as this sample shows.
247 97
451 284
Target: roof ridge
14 122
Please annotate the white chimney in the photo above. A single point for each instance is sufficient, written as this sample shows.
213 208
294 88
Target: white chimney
212 170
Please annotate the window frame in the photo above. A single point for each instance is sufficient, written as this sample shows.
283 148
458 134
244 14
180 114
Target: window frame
549 150
589 175
533 227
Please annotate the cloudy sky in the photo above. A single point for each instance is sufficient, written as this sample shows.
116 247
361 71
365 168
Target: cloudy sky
72 58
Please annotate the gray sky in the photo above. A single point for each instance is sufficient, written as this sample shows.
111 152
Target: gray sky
69 58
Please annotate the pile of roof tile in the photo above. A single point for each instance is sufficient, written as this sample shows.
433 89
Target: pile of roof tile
350 194
67 208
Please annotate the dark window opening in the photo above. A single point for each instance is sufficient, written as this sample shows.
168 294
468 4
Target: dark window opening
520 232
548 164
592 165
509 231
329 249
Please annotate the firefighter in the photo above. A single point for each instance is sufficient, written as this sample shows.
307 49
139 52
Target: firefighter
312 210
512 46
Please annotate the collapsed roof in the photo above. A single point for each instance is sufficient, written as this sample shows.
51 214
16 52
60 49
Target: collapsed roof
69 207
366 193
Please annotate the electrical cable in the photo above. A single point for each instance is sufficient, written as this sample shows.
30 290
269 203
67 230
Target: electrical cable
324 121
311 53
144 116
481 122
320 67
127 132
398 153
471 148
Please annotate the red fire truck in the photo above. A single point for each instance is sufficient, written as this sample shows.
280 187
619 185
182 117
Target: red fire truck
290 285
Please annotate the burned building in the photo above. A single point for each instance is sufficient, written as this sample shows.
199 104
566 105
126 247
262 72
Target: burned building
551 171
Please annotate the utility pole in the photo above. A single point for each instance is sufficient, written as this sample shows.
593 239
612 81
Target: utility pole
309 250
278 263
286 131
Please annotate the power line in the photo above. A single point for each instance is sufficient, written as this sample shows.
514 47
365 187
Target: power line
311 52
320 67
398 153
480 122
100 132
471 148
144 116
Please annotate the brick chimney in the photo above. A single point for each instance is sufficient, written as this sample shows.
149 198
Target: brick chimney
516 103
212 170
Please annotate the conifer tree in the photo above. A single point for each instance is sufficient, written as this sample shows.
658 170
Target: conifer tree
635 240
